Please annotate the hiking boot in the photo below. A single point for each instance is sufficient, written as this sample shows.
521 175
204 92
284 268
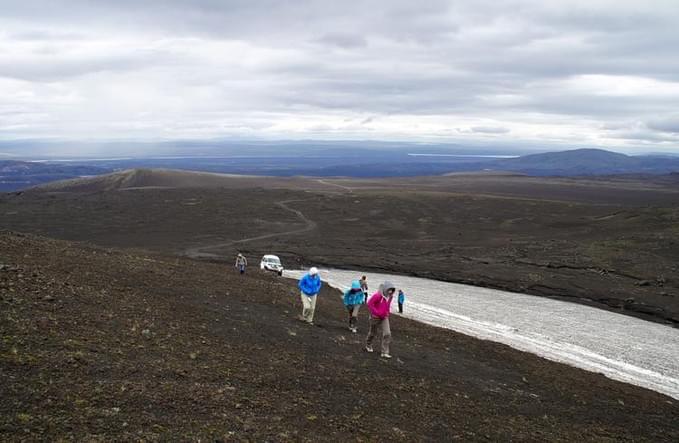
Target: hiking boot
385 355
369 348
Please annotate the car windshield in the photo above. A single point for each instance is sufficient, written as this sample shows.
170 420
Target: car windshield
272 260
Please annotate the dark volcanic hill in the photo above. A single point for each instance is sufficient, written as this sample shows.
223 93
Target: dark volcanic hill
144 178
112 345
140 178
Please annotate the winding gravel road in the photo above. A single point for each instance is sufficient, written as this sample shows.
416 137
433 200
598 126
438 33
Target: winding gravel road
309 225
621 347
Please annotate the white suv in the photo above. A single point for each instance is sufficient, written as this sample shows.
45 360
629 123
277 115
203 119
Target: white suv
271 263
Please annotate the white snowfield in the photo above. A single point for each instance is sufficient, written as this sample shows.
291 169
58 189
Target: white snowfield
623 348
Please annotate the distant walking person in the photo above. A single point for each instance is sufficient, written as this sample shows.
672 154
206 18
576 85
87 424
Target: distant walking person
241 263
379 306
401 300
364 287
353 299
309 285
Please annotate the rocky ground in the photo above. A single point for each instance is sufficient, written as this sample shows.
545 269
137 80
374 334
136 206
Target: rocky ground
107 344
611 242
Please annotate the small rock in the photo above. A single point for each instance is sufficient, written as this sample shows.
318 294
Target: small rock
643 283
24 418
146 333
48 298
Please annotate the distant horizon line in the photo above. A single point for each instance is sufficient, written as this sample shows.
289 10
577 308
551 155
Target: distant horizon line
45 150
463 155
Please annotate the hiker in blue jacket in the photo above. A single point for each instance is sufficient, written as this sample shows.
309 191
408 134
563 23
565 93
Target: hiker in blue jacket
353 299
401 300
309 286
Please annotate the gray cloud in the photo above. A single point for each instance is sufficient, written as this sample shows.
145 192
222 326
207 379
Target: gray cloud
666 124
49 66
489 130
342 40
397 69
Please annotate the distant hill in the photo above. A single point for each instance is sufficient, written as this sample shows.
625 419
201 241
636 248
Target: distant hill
16 175
148 178
140 178
587 162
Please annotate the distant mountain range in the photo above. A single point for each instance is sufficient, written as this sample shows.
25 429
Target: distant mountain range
588 162
18 175
578 162
352 162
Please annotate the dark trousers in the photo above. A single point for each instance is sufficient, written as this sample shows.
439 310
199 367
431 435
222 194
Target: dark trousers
241 268
400 308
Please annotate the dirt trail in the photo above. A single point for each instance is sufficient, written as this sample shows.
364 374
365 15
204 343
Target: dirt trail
310 225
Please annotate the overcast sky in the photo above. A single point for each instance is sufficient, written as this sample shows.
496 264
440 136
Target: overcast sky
559 73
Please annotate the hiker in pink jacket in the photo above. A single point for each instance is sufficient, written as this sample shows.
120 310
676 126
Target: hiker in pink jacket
379 306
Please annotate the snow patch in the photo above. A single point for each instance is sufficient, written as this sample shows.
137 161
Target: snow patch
620 347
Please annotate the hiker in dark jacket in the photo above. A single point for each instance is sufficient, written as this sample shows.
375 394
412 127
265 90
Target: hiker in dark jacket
364 287
241 263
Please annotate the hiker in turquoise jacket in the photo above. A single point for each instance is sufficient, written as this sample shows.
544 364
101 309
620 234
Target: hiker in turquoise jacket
310 286
353 299
401 300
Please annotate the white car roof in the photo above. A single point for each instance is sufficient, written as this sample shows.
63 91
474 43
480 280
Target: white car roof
270 256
